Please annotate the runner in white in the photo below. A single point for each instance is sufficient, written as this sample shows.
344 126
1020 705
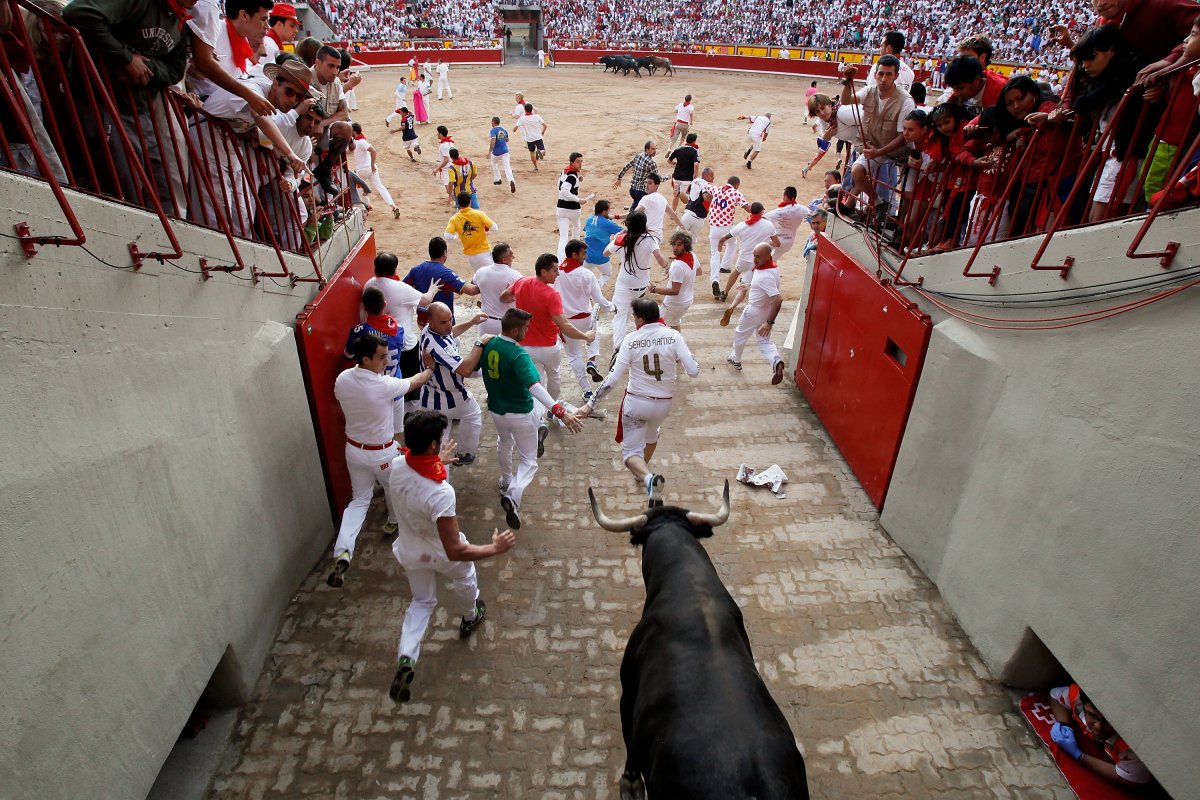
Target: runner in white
443 79
519 109
652 357
760 313
654 206
640 250
581 298
367 169
680 289
748 235
685 112
532 128
696 210
493 281
569 213
787 219
757 134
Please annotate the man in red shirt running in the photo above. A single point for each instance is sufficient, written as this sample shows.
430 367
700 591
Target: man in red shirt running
537 296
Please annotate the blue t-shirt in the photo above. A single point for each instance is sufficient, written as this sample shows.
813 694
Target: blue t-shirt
598 232
426 273
501 137
395 343
407 126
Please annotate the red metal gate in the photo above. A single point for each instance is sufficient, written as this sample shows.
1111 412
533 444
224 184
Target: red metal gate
321 331
860 359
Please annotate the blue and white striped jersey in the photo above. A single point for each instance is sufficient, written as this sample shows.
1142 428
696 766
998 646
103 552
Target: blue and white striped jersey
446 389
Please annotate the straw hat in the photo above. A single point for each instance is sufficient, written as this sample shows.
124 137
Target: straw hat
295 73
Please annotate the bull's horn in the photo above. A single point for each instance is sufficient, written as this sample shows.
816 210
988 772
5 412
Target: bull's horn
712 520
623 525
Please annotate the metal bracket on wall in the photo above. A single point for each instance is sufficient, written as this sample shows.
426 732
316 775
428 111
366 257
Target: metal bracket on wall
28 242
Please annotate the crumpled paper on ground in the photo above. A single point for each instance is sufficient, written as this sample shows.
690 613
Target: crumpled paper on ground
772 477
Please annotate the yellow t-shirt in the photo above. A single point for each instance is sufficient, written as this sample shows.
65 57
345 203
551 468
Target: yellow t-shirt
471 226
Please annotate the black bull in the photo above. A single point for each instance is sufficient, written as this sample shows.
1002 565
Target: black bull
697 719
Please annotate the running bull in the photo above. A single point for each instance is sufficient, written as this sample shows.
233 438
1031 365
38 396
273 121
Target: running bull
697 719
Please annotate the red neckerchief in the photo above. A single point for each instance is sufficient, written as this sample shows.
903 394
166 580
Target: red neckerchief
753 218
181 13
271 32
529 113
687 103
385 323
768 265
569 170
688 259
389 277
243 53
695 146
569 264
430 466
787 203
359 136
462 162
446 139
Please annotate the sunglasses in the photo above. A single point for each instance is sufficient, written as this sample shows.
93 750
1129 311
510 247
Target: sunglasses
288 90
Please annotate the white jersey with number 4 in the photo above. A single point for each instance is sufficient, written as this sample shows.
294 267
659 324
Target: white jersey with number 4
652 356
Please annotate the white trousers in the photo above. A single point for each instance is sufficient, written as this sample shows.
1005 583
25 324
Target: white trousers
499 161
623 297
752 317
641 423
718 260
548 360
470 424
519 431
575 351
692 224
491 326
422 581
569 221
444 82
366 468
479 260
372 177
392 117
786 243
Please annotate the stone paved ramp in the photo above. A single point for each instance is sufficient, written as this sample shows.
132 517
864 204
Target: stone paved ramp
883 691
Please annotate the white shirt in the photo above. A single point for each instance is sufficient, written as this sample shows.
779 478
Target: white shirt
764 284
635 272
362 155
444 151
270 49
904 80
787 219
419 503
443 70
654 206
519 111
233 108
579 289
366 399
749 237
683 113
651 355
699 186
683 274
492 280
530 126
208 23
401 301
758 126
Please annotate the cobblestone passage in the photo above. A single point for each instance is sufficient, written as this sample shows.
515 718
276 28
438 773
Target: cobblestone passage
883 691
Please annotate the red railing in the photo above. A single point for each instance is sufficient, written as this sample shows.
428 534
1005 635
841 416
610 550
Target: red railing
77 127
1041 196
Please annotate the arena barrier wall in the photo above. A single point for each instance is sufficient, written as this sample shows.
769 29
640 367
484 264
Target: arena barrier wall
396 58
777 66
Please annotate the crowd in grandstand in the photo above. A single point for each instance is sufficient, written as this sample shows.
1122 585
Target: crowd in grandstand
465 21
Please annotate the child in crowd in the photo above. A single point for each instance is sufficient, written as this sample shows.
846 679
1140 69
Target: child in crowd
1045 154
949 121
822 109
925 156
1181 125
985 222
1105 68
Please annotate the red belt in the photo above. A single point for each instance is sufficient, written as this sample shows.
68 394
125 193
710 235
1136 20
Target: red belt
581 315
684 121
362 446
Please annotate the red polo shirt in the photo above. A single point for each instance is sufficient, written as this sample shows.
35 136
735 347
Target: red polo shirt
544 302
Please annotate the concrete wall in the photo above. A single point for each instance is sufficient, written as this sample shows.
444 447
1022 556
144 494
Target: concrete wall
160 494
1049 483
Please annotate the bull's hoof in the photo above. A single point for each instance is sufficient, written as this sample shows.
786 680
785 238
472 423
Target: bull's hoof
633 789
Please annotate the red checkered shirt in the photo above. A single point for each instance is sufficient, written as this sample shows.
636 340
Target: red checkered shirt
725 202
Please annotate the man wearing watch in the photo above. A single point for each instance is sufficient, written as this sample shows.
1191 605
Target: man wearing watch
760 313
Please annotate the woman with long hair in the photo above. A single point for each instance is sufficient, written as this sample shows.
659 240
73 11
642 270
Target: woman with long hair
639 251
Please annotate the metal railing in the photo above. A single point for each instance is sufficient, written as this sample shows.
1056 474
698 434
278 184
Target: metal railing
69 123
1056 178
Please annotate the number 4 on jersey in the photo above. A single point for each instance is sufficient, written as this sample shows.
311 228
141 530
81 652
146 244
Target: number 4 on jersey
657 372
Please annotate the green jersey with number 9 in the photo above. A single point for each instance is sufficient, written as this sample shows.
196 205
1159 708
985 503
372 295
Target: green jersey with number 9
508 372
